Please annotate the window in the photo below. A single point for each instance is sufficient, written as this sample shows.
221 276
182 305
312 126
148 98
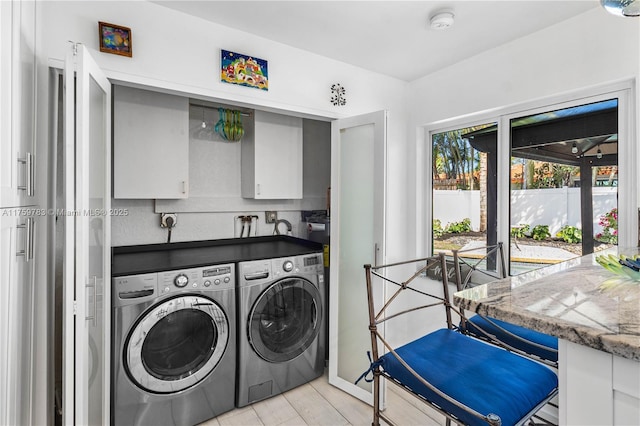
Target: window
575 153
464 189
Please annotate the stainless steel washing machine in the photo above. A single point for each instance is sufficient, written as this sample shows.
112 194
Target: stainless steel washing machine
281 318
174 346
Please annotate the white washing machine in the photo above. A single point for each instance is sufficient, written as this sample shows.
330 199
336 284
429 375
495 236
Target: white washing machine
174 346
281 338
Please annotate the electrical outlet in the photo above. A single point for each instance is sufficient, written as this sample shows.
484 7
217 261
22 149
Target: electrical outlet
165 216
270 216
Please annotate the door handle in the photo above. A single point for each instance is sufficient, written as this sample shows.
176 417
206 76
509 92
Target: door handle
29 177
93 317
315 314
27 251
375 254
256 275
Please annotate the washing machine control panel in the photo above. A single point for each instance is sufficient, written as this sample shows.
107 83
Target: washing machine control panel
306 264
210 278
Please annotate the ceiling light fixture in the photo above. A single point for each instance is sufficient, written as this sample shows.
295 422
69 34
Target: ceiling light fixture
441 20
574 148
622 7
599 153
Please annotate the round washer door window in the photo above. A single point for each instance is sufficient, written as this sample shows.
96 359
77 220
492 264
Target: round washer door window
285 319
176 344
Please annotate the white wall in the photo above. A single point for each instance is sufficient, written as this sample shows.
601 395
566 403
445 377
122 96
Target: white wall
182 52
187 60
589 50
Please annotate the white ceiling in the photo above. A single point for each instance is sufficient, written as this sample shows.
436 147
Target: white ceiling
388 37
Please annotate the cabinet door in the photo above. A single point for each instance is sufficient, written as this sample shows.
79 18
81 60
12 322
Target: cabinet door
272 162
17 103
150 144
17 234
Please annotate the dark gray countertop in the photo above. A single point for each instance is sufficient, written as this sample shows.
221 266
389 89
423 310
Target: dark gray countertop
142 259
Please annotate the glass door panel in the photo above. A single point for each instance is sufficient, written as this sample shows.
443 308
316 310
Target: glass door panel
97 262
357 241
563 184
358 194
87 159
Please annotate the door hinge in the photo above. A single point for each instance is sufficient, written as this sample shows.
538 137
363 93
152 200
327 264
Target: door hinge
74 47
75 307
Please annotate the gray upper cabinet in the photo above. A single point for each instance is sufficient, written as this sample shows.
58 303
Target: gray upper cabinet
150 145
272 161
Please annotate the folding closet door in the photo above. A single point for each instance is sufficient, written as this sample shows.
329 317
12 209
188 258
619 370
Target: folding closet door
358 180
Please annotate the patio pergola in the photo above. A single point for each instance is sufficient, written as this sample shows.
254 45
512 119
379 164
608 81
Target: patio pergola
584 136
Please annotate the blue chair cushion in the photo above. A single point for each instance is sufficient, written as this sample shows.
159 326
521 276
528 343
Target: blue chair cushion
484 377
533 336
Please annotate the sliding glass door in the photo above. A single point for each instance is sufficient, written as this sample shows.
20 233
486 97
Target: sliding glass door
563 182
550 180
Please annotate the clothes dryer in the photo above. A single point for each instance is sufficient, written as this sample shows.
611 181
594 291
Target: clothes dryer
281 318
174 346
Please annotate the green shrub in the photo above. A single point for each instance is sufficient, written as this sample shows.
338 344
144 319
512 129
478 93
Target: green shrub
437 228
458 227
540 232
520 231
570 234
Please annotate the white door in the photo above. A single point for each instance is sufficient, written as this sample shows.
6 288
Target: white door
86 321
358 181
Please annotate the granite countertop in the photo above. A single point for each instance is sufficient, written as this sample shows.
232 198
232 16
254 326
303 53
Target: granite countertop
577 300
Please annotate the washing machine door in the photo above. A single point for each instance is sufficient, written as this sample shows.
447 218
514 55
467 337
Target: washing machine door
176 344
285 319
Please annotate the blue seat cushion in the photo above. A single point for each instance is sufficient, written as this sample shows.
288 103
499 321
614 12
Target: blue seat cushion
531 335
484 377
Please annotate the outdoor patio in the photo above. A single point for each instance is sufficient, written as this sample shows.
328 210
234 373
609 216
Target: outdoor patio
526 253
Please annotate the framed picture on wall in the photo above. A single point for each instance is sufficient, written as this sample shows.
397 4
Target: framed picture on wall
115 39
237 68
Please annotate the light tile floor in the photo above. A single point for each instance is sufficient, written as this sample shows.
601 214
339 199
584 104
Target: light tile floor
319 403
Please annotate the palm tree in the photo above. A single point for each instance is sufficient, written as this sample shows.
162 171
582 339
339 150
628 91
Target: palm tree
454 156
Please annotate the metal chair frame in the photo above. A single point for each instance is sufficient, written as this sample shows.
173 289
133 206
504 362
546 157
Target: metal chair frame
379 317
463 283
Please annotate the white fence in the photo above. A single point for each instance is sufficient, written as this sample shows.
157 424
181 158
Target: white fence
555 207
